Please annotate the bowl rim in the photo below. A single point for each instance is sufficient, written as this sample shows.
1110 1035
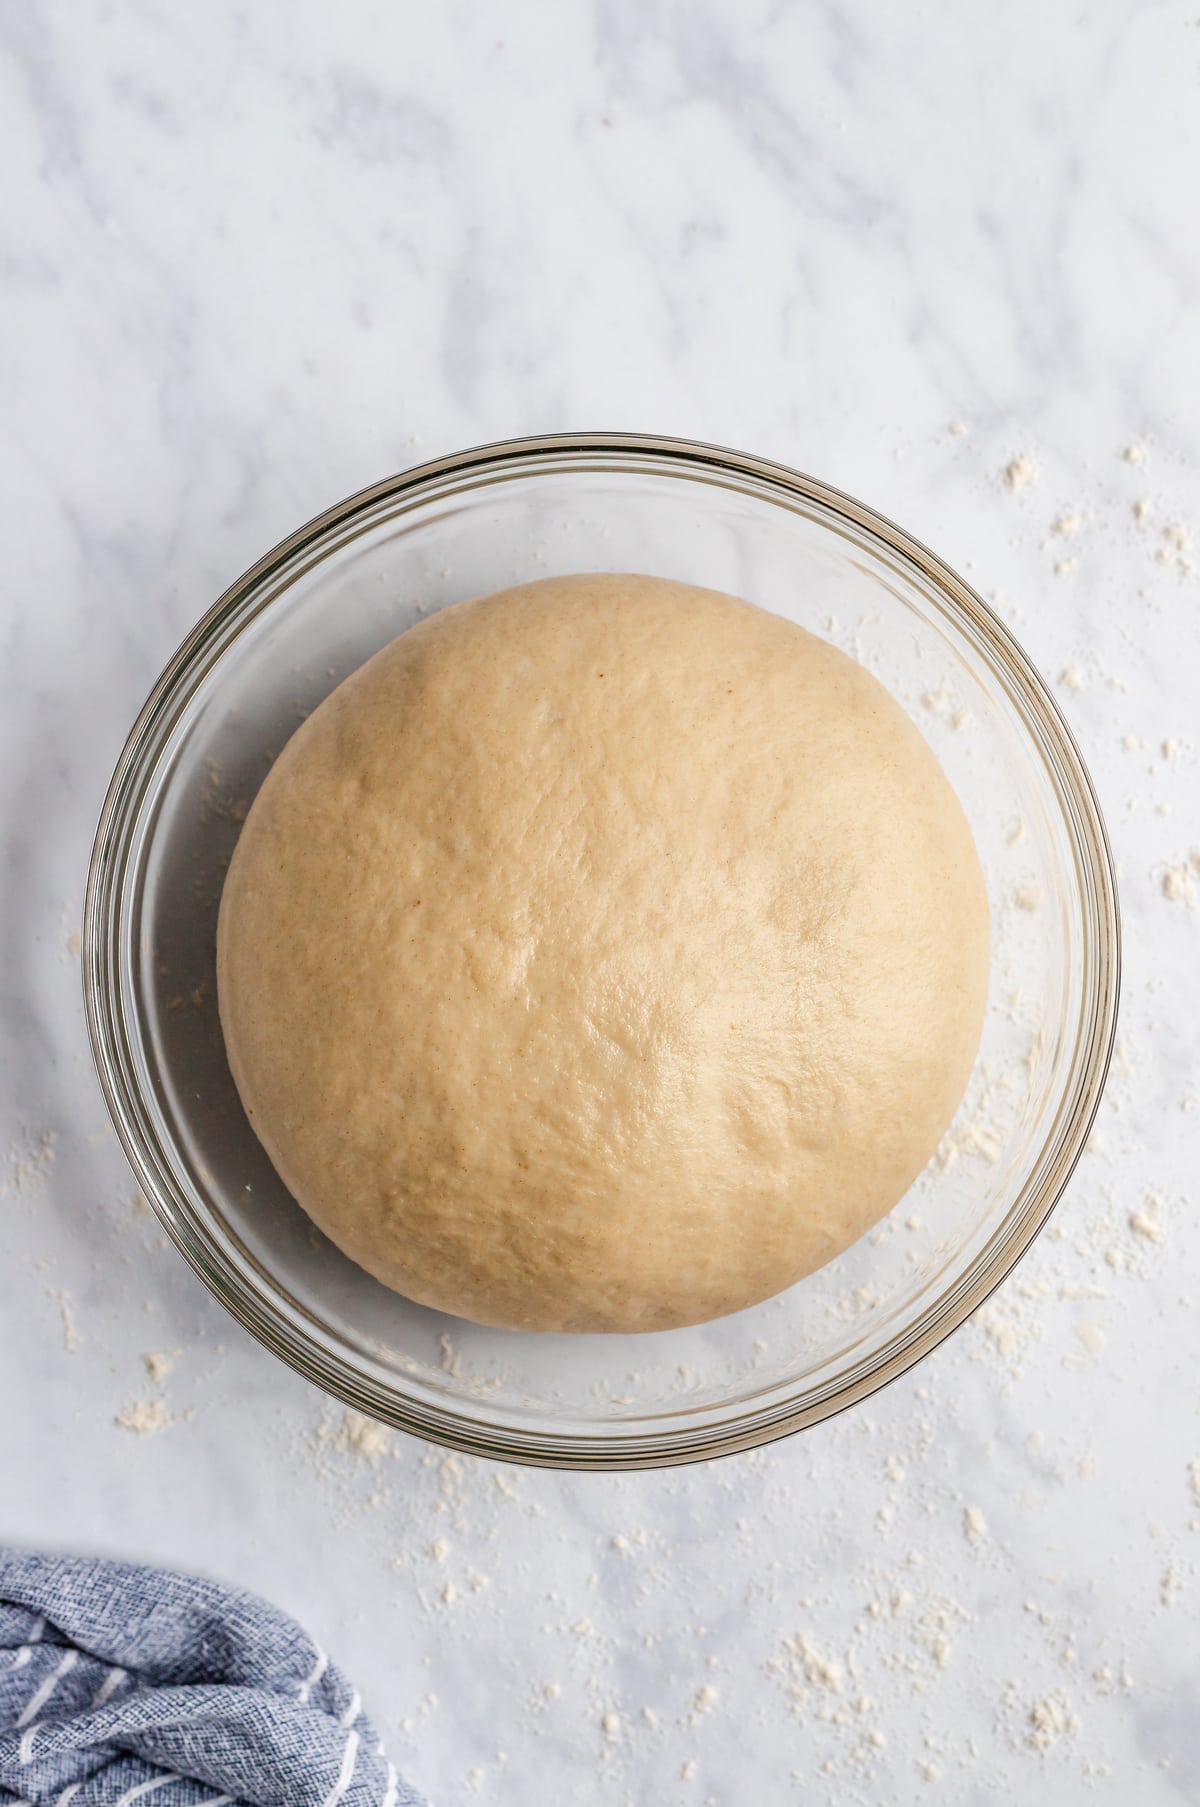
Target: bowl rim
109 1033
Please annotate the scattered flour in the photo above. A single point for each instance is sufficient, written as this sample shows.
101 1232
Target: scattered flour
1179 882
365 1437
976 1138
1006 1333
1177 546
705 1700
1072 678
192 1000
1049 1720
30 1162
935 1625
1068 524
1029 897
72 1336
817 1669
159 1366
1020 472
1170 1587
974 1525
144 1417
1149 1227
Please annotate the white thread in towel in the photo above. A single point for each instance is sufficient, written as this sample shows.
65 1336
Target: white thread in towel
68 1794
144 1788
109 1686
41 1695
352 1711
20 1657
349 1756
36 1630
319 1668
389 1798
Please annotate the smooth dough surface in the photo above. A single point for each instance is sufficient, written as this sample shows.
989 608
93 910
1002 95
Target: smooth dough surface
604 954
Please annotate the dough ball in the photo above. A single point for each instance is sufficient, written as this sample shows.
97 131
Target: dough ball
603 955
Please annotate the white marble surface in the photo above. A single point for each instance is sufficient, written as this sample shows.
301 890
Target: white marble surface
255 254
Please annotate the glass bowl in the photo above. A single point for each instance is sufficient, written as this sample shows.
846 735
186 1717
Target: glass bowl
315 608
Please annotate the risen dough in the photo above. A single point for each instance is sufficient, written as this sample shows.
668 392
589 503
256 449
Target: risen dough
605 954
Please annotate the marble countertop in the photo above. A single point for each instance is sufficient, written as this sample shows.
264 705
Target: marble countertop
255 255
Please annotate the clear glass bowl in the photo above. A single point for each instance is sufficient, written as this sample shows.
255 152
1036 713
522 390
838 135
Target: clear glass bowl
326 599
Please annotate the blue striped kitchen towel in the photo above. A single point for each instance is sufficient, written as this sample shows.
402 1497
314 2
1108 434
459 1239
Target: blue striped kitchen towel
121 1684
